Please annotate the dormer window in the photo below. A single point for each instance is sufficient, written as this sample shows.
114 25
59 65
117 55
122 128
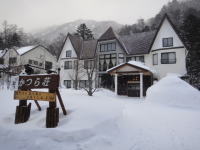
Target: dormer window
168 42
69 53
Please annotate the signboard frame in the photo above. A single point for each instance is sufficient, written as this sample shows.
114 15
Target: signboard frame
34 95
28 82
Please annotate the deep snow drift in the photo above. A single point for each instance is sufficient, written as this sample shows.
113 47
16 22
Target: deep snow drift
173 91
105 122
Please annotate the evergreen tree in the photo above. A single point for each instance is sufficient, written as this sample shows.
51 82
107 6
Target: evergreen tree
191 34
15 40
84 32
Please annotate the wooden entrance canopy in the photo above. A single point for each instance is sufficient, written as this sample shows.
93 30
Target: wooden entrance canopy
131 68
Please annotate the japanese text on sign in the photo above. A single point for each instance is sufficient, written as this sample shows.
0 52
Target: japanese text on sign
38 81
32 95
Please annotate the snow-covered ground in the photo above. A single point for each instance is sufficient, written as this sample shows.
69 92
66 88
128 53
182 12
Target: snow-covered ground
109 122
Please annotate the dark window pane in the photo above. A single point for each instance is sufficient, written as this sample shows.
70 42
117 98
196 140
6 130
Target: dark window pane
68 53
167 42
48 65
67 83
1 61
68 65
109 46
12 60
168 58
105 47
113 46
30 61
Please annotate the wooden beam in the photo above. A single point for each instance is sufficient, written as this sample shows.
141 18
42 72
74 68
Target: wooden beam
61 102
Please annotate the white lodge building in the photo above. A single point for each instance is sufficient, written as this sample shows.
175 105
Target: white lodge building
72 61
15 59
128 64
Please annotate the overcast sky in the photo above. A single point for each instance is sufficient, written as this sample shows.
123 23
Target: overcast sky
36 14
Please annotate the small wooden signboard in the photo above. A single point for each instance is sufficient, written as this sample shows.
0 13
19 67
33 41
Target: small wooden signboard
24 93
32 95
39 82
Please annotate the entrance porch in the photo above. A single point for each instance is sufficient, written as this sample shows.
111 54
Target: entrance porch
132 79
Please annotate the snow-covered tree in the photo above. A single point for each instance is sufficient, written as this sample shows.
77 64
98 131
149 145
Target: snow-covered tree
191 34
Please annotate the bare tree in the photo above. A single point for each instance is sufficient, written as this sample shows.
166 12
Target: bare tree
90 67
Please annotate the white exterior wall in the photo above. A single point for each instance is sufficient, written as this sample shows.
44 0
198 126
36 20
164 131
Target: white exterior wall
69 74
11 53
166 31
163 69
179 67
66 74
41 55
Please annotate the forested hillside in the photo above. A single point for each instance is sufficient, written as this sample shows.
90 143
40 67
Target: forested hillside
177 11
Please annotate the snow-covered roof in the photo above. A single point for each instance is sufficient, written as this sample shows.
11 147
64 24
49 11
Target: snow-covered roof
141 65
23 50
3 66
134 63
2 52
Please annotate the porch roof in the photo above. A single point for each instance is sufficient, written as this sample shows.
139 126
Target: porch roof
139 66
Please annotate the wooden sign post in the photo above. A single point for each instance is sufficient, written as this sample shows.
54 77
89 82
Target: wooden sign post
24 93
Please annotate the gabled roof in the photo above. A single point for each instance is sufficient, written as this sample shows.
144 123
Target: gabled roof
25 49
84 49
108 35
3 52
89 49
76 41
134 64
138 43
173 26
111 35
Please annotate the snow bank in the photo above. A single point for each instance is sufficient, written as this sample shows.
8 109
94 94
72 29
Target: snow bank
173 91
100 122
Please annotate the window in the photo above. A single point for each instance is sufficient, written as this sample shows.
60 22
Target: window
67 83
48 65
88 64
108 47
168 58
120 58
167 42
139 58
33 62
128 59
68 53
107 61
155 59
12 60
1 61
85 64
68 65
76 64
135 58
83 83
30 61
36 63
